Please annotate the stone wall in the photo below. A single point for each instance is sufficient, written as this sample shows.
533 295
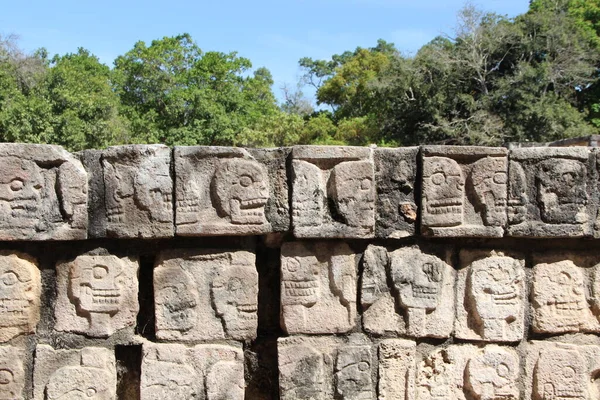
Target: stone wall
143 272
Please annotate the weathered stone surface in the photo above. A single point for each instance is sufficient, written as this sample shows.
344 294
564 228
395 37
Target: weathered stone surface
227 191
43 193
549 192
12 373
464 372
205 295
97 294
318 287
555 370
138 191
326 368
464 191
20 290
396 369
333 192
96 205
490 297
89 373
423 288
558 299
395 177
204 372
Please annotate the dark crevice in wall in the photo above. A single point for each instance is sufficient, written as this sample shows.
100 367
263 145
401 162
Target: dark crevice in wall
145 320
129 363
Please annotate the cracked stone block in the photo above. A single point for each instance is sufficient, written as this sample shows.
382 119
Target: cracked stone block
333 192
203 372
229 191
465 372
74 374
138 191
420 302
206 295
555 370
43 193
318 287
12 373
20 291
549 192
396 369
490 297
323 368
96 295
464 191
559 300
395 177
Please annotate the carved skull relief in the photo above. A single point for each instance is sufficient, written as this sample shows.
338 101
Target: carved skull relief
353 191
418 281
489 183
241 191
517 195
176 298
493 374
560 374
301 373
153 189
353 373
443 192
235 296
21 187
167 373
561 187
12 374
120 187
300 281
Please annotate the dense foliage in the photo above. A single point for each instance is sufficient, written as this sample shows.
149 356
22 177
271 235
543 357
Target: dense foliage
534 77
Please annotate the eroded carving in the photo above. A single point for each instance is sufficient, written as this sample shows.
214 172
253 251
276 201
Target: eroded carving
560 374
561 188
489 179
353 373
20 290
443 192
493 374
517 194
318 288
12 374
302 372
436 377
396 369
352 188
96 295
202 295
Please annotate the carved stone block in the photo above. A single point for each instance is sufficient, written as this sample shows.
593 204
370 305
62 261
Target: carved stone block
205 295
318 287
555 370
228 191
43 193
395 177
549 192
97 294
209 372
326 368
464 191
465 372
420 302
74 374
20 290
138 191
12 373
396 369
490 297
559 302
333 192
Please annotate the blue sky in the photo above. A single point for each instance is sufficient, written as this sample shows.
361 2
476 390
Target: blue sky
271 33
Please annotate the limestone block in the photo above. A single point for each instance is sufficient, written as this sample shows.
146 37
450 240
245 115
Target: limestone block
555 370
12 373
396 369
490 297
89 373
227 191
20 291
423 287
203 372
43 193
464 372
464 191
395 177
138 191
559 302
549 192
205 295
333 192
318 287
96 294
322 368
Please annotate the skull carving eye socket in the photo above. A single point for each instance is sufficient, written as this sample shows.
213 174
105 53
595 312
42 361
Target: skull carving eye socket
292 265
438 178
564 279
16 184
502 370
500 178
90 392
568 373
432 272
100 272
9 278
245 180
6 377
363 366
365 184
234 285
